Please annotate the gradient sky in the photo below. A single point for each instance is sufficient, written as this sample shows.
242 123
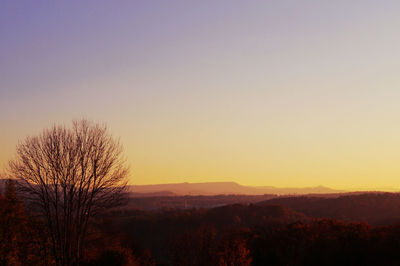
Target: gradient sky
283 93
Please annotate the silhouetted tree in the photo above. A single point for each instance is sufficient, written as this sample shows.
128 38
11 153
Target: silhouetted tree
70 174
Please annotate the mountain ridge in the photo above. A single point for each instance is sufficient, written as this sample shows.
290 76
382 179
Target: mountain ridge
225 188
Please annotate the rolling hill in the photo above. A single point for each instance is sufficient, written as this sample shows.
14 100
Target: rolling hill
227 188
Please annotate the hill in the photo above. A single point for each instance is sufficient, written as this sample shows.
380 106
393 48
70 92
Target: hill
189 202
376 208
226 188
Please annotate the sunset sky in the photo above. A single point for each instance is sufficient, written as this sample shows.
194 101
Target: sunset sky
280 93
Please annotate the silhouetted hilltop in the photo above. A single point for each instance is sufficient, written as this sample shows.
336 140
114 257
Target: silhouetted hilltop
376 208
217 188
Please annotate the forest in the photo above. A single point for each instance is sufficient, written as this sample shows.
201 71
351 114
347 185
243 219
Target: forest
347 230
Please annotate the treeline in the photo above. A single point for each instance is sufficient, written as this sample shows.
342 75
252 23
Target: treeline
375 208
151 202
237 234
255 234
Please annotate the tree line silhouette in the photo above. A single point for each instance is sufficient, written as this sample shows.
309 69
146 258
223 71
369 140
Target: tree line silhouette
217 236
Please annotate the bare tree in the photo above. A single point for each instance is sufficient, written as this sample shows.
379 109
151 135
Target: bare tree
70 174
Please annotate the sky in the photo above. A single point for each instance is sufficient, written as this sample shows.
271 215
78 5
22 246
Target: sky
263 93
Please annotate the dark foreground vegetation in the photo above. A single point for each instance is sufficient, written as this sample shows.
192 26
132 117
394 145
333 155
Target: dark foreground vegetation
237 234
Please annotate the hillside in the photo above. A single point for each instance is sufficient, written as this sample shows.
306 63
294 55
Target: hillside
375 208
154 202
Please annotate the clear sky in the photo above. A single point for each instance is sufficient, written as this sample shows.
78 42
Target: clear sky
283 93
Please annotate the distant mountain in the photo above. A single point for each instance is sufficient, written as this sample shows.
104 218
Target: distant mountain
218 188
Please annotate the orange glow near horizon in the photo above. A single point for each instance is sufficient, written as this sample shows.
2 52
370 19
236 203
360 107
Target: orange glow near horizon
262 94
